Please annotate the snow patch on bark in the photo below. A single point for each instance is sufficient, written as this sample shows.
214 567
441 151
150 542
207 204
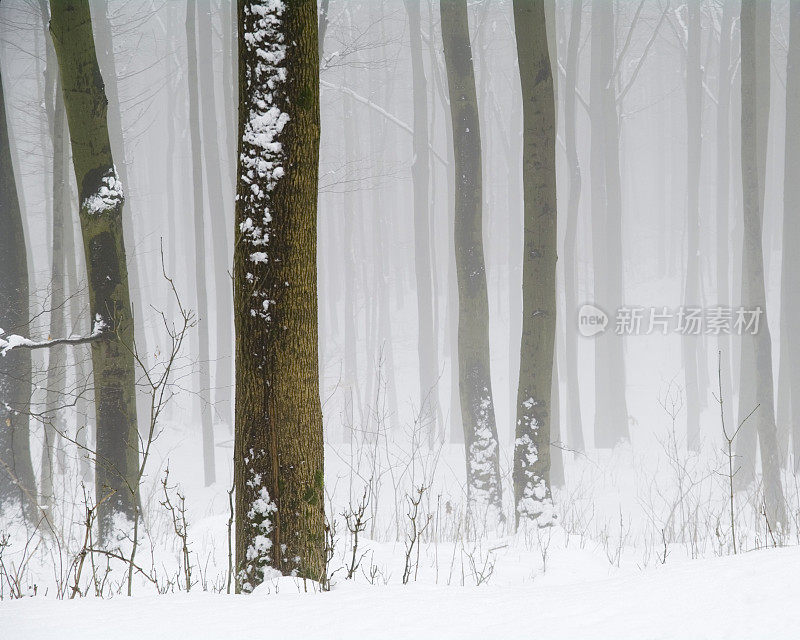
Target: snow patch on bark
109 194
262 158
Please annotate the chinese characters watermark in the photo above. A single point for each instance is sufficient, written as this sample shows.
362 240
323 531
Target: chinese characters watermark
684 320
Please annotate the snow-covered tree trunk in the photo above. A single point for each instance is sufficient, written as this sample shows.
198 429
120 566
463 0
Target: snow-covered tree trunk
534 410
278 449
101 201
475 385
17 483
201 285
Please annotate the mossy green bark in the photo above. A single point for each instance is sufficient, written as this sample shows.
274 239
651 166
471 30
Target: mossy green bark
278 445
117 451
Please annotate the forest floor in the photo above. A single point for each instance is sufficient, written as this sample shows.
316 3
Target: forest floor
749 596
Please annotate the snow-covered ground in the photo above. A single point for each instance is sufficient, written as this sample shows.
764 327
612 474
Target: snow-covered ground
752 595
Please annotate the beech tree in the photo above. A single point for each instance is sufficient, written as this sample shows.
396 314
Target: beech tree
278 450
17 483
101 201
756 389
475 385
534 406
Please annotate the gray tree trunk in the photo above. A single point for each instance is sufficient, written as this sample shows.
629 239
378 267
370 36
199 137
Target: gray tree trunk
475 385
534 396
574 423
756 373
427 342
17 483
209 466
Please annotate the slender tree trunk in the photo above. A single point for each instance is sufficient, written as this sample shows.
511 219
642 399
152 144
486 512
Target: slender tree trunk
427 342
611 411
757 349
101 198
534 409
209 465
218 215
574 423
691 347
724 343
790 278
278 451
17 483
475 385
55 424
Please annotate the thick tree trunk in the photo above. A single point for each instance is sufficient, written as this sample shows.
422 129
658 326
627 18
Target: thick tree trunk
101 199
278 451
136 271
204 365
534 408
17 483
691 345
574 423
475 385
790 280
756 373
427 342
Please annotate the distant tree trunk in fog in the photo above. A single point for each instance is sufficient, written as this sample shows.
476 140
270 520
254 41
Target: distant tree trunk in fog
218 202
611 410
17 483
427 343
136 271
574 424
80 354
756 372
54 423
227 16
534 409
204 364
723 195
278 448
691 347
101 199
475 385
790 267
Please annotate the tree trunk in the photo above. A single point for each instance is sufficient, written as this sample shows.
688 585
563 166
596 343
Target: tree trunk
534 409
209 465
723 150
611 411
757 349
790 288
17 483
101 199
219 205
54 423
574 423
475 384
691 345
278 451
427 342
